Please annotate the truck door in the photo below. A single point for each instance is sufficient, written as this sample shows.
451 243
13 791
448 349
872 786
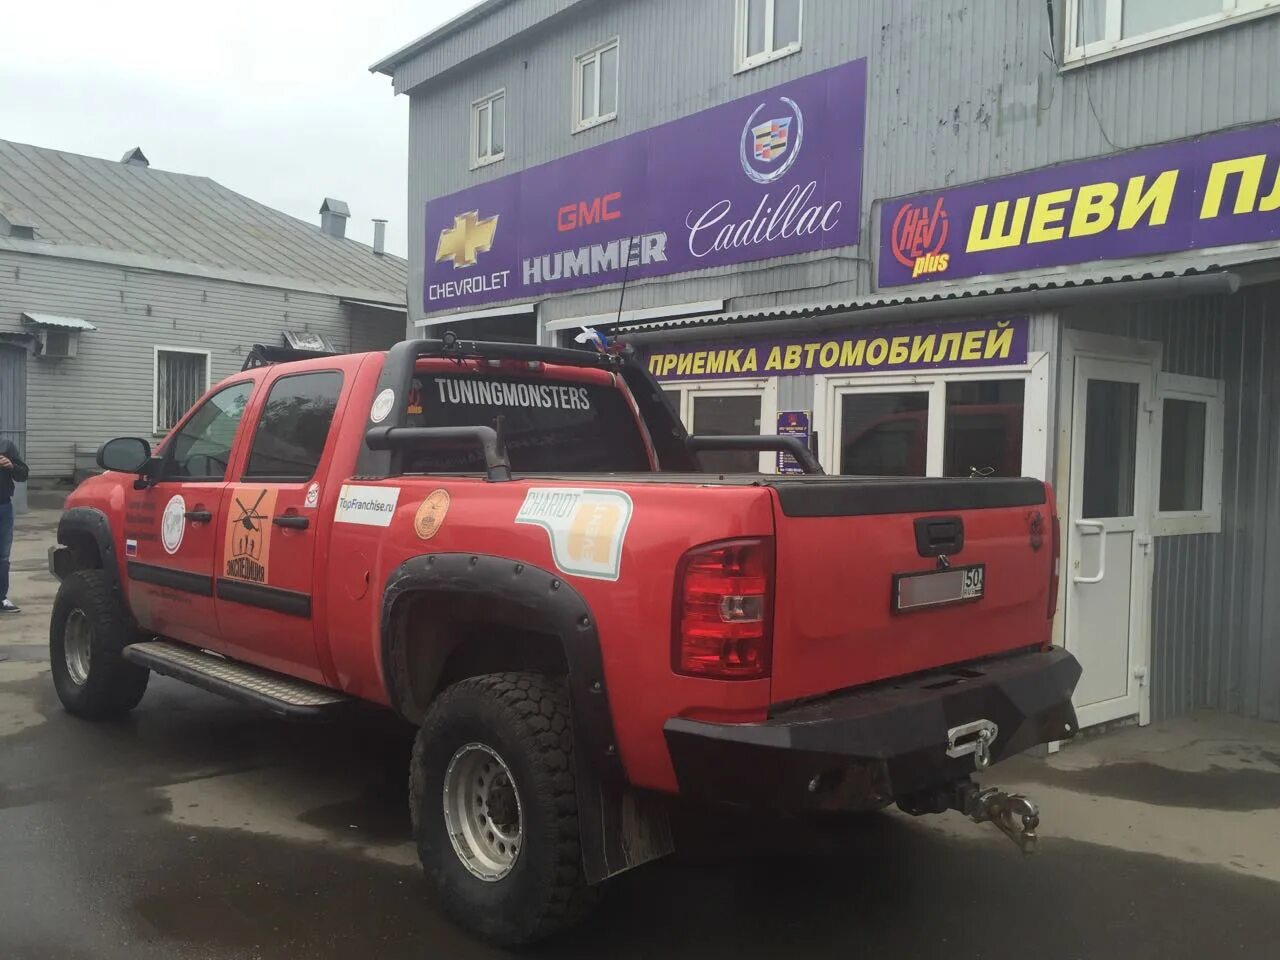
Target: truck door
266 543
170 527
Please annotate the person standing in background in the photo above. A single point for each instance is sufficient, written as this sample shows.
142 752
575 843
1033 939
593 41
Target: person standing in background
12 471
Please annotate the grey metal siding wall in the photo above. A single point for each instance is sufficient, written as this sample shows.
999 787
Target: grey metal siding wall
960 90
1245 670
1215 621
106 390
375 329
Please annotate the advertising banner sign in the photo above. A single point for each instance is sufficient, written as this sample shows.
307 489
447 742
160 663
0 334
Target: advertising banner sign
1213 191
968 343
772 174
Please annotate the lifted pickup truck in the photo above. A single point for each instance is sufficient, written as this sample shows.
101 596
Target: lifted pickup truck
515 549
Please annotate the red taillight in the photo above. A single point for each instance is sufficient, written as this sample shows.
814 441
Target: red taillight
724 611
1055 558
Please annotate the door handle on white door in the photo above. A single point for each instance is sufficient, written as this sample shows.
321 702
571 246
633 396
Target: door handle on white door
1102 550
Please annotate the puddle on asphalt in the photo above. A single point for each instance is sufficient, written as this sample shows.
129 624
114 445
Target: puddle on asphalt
378 815
22 683
1216 788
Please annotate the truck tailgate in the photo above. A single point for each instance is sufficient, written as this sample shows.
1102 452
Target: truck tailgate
842 544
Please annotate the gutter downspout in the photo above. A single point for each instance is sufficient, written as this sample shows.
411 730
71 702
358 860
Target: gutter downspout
1159 288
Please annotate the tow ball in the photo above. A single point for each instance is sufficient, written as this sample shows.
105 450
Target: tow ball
1011 813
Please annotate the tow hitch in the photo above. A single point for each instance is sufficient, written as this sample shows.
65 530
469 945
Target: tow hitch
1012 814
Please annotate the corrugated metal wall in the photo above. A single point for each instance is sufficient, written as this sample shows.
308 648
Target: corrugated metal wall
106 390
960 90
1215 619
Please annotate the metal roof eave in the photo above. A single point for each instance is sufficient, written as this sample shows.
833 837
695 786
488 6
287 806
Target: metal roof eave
818 318
53 320
141 261
388 64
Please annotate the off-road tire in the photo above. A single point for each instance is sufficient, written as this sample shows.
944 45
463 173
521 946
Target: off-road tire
525 719
113 686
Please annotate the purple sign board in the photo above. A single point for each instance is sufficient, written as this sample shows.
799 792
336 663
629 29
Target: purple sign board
968 343
793 423
772 174
1213 191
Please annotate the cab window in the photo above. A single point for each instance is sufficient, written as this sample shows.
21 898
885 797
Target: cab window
291 434
550 426
201 449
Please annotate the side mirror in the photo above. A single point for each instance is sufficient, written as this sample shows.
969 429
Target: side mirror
124 454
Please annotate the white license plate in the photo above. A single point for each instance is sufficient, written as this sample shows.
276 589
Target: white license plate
935 588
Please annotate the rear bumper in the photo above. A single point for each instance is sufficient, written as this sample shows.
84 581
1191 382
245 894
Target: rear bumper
865 748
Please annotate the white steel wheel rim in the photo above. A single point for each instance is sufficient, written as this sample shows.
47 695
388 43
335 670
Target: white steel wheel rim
482 812
77 646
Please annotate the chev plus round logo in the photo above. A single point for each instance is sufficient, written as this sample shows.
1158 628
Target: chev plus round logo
771 140
919 237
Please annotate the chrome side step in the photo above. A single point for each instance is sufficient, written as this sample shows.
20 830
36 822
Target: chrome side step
286 696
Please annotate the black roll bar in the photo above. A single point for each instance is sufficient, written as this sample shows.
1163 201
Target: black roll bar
792 445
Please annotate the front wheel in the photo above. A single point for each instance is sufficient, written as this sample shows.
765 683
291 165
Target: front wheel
494 810
86 634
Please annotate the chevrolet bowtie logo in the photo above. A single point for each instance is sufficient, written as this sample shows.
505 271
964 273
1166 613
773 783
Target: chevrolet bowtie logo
468 236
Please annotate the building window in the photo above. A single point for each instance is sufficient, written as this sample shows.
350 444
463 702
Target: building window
1097 27
294 427
766 30
1191 414
489 129
971 423
729 408
181 377
595 86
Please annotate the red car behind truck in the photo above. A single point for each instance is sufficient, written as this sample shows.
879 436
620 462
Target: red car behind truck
515 549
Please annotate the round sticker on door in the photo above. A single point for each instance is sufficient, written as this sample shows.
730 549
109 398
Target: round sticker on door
430 516
382 405
173 523
313 496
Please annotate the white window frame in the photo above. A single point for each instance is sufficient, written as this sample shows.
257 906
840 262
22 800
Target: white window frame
155 380
744 61
579 62
1112 44
488 100
1208 519
766 388
829 388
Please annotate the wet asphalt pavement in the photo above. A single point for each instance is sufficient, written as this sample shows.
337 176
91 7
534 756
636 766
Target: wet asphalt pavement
98 861
197 828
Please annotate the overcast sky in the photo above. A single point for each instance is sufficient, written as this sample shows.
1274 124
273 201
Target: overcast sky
272 98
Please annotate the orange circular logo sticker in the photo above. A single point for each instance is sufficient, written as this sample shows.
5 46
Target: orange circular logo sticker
431 514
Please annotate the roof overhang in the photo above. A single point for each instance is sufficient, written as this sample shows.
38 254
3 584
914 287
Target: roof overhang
53 320
376 305
1217 272
387 65
139 261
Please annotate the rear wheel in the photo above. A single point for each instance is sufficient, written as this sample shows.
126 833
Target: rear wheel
494 810
87 631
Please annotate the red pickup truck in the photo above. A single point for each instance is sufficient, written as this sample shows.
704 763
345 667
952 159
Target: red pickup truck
514 548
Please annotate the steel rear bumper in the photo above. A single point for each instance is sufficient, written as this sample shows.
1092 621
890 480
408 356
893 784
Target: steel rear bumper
865 748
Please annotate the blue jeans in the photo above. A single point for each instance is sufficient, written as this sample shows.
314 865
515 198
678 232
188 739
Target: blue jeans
6 545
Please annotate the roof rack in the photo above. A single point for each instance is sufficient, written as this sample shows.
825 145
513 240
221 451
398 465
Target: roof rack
260 355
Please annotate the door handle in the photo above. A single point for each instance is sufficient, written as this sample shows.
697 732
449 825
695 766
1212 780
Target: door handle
292 522
1102 550
198 516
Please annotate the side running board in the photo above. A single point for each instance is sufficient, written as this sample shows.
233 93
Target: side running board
286 696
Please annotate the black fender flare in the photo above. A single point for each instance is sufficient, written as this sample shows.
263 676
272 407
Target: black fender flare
92 522
554 607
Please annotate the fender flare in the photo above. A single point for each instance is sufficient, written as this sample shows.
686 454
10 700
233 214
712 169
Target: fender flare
92 522
554 607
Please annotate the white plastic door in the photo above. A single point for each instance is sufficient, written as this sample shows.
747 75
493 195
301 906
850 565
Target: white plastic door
1108 537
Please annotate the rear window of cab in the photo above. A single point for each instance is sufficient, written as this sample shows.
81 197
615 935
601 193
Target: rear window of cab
550 425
